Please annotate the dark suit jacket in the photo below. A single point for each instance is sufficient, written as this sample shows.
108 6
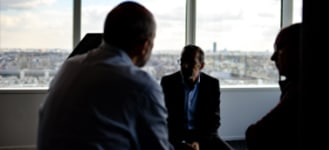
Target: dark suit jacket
207 108
279 128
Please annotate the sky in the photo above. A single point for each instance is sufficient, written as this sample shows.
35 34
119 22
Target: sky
233 25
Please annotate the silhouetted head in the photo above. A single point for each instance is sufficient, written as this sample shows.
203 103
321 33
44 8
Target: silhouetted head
191 62
131 27
287 50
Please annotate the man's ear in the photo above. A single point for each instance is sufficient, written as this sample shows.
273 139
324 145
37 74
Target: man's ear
144 47
202 65
140 49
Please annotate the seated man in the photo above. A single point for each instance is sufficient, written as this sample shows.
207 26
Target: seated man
192 99
101 99
279 128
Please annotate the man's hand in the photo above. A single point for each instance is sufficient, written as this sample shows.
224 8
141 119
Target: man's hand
194 145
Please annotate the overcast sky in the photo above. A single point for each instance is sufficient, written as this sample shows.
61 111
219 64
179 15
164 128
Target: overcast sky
231 24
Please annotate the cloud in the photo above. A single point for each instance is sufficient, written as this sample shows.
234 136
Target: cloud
47 29
230 25
23 4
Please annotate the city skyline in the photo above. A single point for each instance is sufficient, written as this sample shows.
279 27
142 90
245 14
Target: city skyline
37 68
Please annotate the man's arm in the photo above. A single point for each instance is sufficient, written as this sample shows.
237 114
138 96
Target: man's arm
215 105
154 129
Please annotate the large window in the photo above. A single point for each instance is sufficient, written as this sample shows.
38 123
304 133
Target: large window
237 36
35 37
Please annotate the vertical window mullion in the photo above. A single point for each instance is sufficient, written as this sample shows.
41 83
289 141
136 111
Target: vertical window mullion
286 12
190 22
76 22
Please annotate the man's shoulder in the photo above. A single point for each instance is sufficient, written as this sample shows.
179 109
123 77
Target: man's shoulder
208 77
171 76
144 78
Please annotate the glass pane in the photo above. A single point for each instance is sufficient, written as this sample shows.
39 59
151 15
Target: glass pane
297 11
170 37
35 38
238 37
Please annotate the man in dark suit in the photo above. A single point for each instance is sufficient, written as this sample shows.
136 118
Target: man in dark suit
279 128
192 99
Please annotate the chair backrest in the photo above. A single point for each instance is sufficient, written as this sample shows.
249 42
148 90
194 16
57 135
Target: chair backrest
89 42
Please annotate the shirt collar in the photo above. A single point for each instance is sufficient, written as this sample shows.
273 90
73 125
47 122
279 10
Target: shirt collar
118 55
185 84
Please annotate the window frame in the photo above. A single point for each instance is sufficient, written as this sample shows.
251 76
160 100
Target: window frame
190 36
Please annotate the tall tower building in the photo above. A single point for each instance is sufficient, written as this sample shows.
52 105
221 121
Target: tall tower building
214 47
